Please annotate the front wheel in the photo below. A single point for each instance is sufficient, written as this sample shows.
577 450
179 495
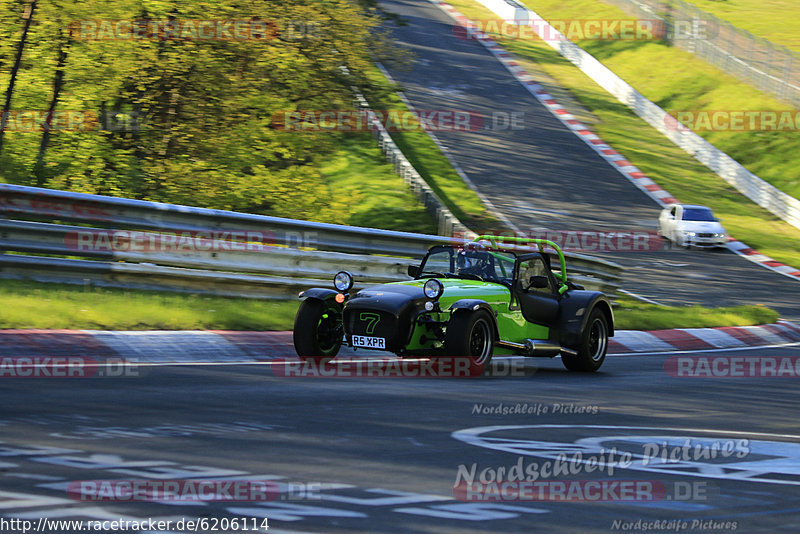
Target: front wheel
470 334
317 330
593 345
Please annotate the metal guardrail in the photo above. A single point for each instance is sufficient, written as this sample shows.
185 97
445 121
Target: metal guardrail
115 242
121 213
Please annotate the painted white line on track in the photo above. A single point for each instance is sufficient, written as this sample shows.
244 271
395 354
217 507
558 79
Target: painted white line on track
531 358
752 347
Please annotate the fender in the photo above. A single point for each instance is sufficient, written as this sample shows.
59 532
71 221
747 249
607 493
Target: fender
574 311
319 293
475 305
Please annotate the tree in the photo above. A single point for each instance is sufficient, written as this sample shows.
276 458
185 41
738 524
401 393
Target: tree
27 18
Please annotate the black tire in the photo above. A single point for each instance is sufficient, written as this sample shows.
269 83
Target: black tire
470 334
318 330
593 346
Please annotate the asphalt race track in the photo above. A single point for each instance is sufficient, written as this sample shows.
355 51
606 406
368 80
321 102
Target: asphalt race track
543 176
380 455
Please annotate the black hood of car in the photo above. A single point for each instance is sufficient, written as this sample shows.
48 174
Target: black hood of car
392 298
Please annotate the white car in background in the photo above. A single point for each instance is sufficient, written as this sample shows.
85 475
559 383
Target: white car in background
688 225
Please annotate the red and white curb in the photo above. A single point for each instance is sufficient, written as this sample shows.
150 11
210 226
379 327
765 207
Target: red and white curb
753 255
698 339
230 347
604 150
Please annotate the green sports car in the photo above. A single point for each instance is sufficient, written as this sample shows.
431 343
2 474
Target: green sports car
494 295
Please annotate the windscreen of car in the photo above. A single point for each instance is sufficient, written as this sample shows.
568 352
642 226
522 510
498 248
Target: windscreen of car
697 214
489 266
464 263
439 261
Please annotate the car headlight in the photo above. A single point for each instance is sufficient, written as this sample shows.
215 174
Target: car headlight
691 234
719 235
343 281
433 288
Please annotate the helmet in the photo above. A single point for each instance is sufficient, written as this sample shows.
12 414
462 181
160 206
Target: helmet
474 260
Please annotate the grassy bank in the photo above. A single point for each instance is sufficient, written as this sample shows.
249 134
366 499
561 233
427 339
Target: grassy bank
775 20
636 315
675 80
54 306
365 191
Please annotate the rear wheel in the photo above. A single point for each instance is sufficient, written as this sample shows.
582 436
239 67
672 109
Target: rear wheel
470 334
593 346
318 330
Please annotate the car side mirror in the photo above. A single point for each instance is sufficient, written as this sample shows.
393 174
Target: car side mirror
413 271
539 282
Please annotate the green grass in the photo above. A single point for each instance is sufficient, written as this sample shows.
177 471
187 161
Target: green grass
431 163
675 80
367 192
636 315
56 306
775 20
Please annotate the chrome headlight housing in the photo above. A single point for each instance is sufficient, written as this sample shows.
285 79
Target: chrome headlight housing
343 281
433 288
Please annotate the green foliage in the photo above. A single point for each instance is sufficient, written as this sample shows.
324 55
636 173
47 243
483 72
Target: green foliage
364 190
202 111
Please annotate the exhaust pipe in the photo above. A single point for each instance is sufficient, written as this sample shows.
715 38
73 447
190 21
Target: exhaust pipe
538 347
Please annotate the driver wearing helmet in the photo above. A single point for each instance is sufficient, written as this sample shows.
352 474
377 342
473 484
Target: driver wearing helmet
475 262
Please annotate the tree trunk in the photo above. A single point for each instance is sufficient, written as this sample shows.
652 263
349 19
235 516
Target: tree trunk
28 18
58 84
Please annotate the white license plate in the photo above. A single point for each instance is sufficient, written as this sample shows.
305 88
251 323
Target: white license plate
369 342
